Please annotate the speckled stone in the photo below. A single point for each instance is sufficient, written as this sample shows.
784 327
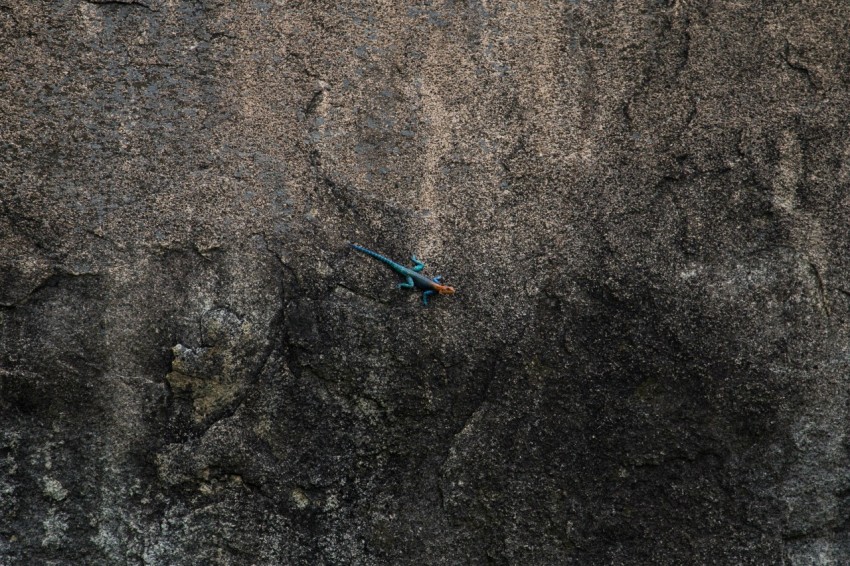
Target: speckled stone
643 205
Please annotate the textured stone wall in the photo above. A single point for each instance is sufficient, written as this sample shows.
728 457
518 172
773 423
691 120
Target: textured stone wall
644 208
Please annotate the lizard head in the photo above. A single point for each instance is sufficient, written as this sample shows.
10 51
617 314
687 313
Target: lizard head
445 289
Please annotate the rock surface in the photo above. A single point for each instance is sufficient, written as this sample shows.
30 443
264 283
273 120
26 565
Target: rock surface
644 206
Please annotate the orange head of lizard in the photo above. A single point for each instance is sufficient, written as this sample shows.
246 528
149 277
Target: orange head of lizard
445 289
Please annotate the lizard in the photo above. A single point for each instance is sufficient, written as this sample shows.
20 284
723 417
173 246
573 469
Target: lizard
412 275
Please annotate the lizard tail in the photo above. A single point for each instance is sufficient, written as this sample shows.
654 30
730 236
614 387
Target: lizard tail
375 255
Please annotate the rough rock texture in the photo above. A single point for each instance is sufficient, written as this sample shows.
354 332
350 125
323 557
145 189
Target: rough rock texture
643 204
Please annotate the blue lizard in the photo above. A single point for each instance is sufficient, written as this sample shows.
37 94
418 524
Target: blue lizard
412 276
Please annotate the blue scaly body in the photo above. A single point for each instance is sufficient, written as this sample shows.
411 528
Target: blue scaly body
412 275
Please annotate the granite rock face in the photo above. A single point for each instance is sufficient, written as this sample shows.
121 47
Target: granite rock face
644 206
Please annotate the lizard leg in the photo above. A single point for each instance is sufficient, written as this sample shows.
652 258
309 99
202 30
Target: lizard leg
407 284
417 265
425 297
437 279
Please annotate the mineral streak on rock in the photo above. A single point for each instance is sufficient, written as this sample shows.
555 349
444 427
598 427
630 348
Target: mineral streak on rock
644 208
